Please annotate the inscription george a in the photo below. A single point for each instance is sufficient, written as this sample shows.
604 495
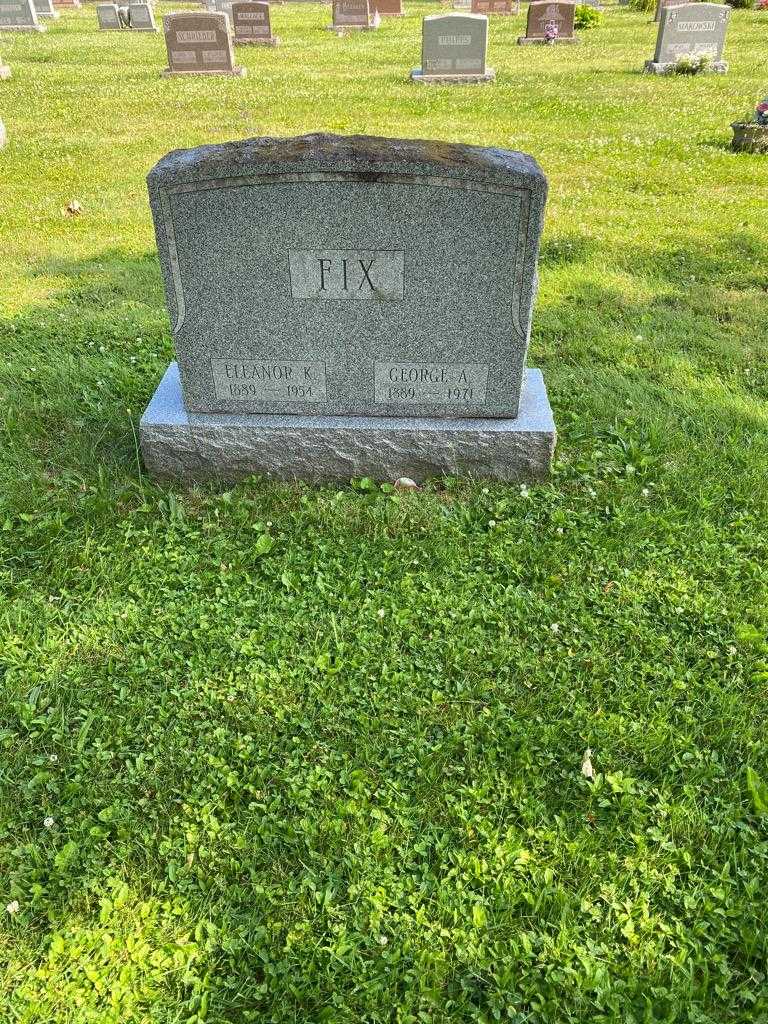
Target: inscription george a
359 275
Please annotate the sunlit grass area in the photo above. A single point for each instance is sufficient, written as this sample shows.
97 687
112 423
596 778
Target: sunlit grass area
295 754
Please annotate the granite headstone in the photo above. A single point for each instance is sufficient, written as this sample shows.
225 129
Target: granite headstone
109 17
353 14
251 24
454 49
19 16
661 4
198 43
504 7
348 306
389 8
691 30
45 9
141 17
545 13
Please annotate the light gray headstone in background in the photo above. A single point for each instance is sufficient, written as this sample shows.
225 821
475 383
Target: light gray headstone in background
692 30
333 276
454 46
19 16
45 9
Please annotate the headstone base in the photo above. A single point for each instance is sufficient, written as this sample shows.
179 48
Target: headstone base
234 73
24 28
535 41
418 76
271 41
177 445
717 67
49 15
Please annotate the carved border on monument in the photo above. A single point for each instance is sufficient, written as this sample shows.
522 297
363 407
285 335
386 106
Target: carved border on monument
377 178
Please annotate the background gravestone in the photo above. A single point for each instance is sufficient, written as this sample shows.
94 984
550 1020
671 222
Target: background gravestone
453 49
198 43
348 306
504 7
109 18
661 4
252 25
389 8
19 16
690 30
45 9
543 13
141 17
353 14
5 71
72 4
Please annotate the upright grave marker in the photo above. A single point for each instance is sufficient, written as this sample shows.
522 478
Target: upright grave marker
251 24
691 30
389 8
141 17
549 22
356 15
109 18
45 9
453 50
348 307
504 7
19 16
662 4
198 43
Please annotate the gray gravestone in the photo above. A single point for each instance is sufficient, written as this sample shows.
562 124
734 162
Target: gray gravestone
45 9
251 24
353 14
691 30
198 43
19 16
348 306
503 7
661 4
453 49
109 18
543 14
141 17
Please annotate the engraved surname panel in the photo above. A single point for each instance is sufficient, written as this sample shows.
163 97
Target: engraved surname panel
269 380
459 384
347 274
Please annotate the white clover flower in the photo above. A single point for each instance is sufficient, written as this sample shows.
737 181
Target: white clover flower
560 530
555 627
381 613
48 822
53 758
645 492
491 523
12 907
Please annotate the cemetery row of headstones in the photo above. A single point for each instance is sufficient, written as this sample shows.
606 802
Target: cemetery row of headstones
454 46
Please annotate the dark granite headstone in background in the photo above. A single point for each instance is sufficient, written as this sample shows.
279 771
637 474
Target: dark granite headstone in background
542 14
198 43
19 16
251 24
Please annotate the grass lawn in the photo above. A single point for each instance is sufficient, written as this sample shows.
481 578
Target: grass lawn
313 754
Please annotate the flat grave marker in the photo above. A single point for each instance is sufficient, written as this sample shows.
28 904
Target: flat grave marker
453 50
198 43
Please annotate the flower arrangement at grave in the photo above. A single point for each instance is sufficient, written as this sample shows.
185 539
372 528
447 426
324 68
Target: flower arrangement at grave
751 134
690 64
550 32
